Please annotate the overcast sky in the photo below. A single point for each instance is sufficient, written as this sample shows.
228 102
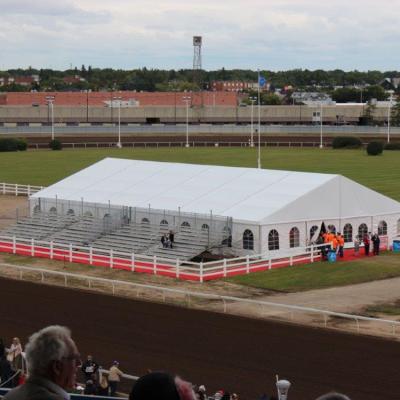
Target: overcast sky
247 34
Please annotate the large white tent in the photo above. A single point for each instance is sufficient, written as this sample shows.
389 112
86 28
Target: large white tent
275 209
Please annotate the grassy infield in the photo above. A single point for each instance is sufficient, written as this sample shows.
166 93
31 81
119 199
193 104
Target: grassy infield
380 173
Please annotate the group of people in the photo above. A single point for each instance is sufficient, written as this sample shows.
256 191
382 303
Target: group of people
366 240
53 360
41 365
333 242
167 240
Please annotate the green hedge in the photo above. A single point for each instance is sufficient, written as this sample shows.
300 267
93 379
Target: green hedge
392 146
55 144
346 142
374 148
10 144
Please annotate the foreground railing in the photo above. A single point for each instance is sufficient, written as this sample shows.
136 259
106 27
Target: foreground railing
16 189
202 300
189 270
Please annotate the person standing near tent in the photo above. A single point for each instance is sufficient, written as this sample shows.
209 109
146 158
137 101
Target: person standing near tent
376 242
356 245
366 244
340 241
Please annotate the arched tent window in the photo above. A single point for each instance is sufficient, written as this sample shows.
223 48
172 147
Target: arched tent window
362 230
145 221
88 214
382 228
273 240
70 212
348 233
185 226
36 209
205 228
294 237
53 210
248 240
313 229
164 223
332 228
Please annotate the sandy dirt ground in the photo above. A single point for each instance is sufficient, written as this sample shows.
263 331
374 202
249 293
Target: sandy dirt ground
221 351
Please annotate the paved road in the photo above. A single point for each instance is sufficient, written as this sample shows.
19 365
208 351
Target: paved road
222 351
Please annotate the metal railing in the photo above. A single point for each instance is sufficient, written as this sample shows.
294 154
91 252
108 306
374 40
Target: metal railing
188 270
18 190
193 299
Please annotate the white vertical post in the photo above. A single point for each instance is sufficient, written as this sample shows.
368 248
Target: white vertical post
269 263
177 267
155 264
312 253
29 190
224 267
70 252
14 244
16 189
33 247
4 188
90 255
247 264
111 258
201 271
51 250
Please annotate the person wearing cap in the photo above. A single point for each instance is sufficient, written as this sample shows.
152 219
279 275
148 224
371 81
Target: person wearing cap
114 377
53 360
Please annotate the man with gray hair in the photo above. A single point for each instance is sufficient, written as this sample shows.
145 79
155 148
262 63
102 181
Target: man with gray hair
52 359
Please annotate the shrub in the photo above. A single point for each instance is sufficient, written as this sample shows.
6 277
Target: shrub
392 146
374 148
8 144
22 144
55 144
346 142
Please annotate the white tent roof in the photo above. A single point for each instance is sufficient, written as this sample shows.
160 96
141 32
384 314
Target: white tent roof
245 194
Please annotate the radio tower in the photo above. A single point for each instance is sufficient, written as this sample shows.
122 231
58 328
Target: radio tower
196 53
197 64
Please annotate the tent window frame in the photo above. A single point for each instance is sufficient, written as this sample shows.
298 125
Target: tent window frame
273 240
294 237
348 233
248 240
382 228
362 230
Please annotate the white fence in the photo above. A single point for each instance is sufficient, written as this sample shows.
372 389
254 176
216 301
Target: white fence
210 301
18 190
189 270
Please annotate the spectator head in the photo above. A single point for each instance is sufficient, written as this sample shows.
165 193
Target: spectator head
161 385
16 341
333 396
52 354
202 388
116 363
89 358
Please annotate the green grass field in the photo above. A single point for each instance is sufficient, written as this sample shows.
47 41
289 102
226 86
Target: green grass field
381 173
323 274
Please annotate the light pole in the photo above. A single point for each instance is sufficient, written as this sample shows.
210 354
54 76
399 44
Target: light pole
253 100
119 144
259 120
388 116
321 144
187 99
50 103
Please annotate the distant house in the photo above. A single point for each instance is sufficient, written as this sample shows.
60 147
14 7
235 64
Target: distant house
73 79
390 83
19 80
312 98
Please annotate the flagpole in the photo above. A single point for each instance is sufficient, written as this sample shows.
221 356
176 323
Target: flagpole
259 124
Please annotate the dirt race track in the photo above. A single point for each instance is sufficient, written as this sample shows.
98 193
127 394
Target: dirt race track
221 351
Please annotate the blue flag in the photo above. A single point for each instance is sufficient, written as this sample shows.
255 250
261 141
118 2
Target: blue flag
261 81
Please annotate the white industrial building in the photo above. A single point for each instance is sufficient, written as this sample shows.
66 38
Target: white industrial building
259 211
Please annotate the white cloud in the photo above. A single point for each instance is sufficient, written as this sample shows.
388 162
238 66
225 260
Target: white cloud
270 34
